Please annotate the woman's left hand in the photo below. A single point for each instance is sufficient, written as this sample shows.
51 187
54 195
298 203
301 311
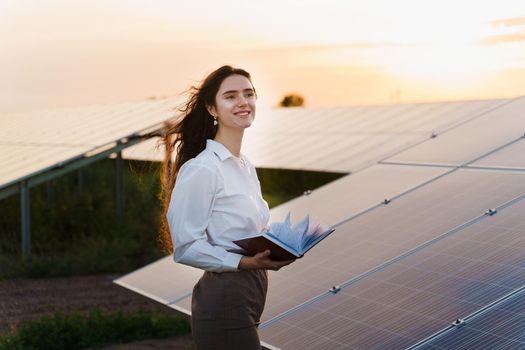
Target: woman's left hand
262 260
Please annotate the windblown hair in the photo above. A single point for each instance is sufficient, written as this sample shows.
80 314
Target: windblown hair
187 137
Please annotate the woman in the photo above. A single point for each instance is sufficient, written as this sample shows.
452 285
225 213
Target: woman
213 197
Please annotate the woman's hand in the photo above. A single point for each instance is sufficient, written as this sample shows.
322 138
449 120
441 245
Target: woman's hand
262 261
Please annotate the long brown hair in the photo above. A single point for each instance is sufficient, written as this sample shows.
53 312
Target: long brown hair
187 136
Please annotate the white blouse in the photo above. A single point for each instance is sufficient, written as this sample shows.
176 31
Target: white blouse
216 199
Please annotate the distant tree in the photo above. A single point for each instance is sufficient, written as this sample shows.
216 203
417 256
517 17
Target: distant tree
154 98
292 100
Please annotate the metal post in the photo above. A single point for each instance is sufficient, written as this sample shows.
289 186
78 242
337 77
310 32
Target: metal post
25 219
80 181
50 190
119 190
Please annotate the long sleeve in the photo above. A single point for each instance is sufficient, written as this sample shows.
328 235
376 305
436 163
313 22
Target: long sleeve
188 216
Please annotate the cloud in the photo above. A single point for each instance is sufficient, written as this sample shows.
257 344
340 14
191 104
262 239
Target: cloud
505 38
508 22
329 47
509 30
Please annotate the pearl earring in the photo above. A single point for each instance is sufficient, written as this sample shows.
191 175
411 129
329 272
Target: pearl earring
215 122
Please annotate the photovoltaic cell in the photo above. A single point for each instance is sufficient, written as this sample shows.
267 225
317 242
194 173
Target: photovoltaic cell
375 148
405 120
352 194
20 160
418 295
472 139
367 241
183 305
445 116
501 327
512 156
164 280
145 151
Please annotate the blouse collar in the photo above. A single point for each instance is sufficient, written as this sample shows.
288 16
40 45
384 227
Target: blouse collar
219 149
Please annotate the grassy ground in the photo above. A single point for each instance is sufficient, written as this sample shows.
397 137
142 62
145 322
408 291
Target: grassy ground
75 330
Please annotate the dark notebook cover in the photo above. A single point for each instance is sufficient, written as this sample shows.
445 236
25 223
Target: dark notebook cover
254 245
258 244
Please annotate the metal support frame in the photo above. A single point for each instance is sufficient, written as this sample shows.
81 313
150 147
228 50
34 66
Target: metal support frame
25 219
23 185
80 181
119 187
50 194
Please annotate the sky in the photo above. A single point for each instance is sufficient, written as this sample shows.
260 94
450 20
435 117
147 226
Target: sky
58 53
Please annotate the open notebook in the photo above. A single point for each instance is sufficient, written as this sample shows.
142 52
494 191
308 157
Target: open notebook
284 241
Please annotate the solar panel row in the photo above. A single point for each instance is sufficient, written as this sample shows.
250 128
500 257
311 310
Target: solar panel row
418 295
350 138
431 254
33 141
341 138
389 231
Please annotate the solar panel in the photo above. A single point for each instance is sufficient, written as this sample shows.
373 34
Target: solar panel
183 305
348 138
470 140
499 327
20 160
33 141
369 240
510 157
349 119
145 151
416 296
307 120
355 193
81 126
446 115
163 281
404 119
375 148
351 138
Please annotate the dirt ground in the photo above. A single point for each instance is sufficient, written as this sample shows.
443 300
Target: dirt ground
24 299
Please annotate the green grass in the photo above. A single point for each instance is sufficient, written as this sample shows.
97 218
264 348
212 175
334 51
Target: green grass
75 230
98 328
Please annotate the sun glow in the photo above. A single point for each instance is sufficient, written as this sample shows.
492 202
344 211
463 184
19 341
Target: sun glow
440 47
331 51
443 61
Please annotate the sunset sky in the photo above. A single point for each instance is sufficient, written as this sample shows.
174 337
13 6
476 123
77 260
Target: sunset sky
75 53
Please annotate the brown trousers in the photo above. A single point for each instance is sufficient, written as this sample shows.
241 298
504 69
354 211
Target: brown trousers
226 309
